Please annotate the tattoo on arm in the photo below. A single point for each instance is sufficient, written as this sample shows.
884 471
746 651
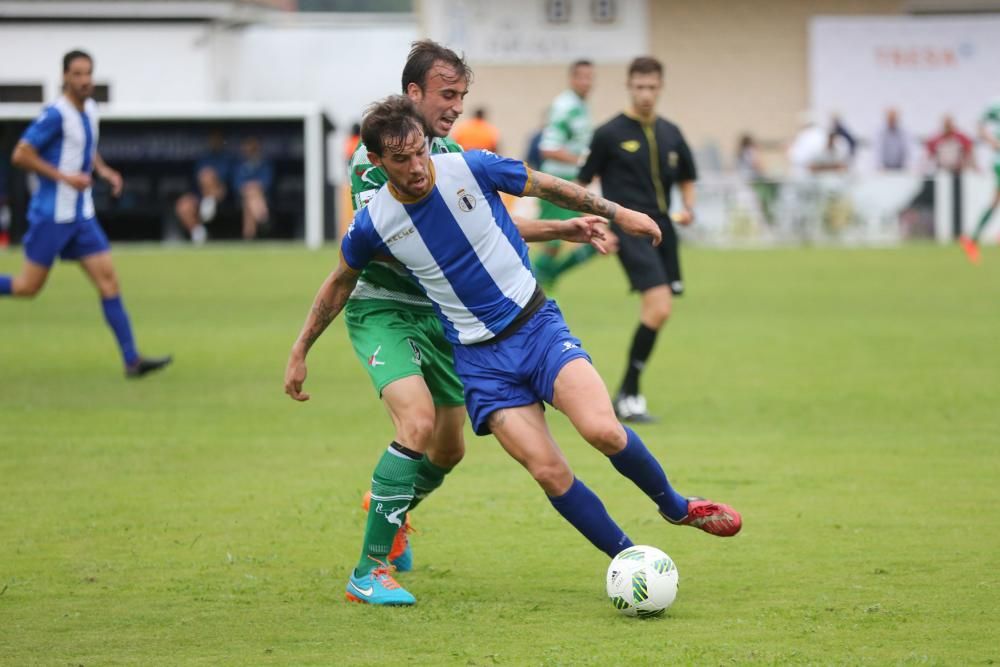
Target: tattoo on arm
322 314
329 302
569 195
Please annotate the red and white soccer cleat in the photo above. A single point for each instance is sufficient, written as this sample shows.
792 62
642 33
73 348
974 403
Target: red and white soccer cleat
714 518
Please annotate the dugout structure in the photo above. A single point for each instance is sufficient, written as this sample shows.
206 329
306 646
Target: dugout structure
156 148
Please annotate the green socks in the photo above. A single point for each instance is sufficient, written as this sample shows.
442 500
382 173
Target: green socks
429 477
392 493
982 224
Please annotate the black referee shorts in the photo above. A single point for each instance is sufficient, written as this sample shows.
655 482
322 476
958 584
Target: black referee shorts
648 267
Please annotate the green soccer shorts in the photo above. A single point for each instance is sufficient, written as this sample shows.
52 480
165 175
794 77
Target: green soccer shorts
394 341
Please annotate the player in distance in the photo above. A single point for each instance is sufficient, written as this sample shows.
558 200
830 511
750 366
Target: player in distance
60 148
441 217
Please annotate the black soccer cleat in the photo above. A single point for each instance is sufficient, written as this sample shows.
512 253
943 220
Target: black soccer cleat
146 365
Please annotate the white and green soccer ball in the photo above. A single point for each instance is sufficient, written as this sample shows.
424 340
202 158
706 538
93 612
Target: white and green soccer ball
642 581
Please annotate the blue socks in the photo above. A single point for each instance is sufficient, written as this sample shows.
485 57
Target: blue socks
6 285
636 463
117 319
582 508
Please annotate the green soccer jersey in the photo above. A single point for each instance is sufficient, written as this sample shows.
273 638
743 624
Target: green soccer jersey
568 127
385 280
992 120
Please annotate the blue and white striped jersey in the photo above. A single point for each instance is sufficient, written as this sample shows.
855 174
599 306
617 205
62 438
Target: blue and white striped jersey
67 139
458 242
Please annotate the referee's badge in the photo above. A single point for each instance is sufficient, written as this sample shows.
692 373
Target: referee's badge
466 200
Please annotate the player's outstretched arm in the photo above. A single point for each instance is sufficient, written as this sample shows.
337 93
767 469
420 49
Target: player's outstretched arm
592 229
576 198
329 301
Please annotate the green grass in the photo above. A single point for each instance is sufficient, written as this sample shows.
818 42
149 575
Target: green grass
845 401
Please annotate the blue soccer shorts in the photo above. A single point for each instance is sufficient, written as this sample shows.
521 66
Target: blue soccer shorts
518 370
47 240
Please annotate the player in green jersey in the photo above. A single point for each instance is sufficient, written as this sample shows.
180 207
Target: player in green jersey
564 144
398 338
989 131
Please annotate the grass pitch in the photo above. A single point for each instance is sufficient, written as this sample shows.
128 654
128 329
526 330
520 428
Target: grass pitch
844 401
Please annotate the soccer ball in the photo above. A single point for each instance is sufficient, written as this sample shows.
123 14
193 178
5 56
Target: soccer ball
642 581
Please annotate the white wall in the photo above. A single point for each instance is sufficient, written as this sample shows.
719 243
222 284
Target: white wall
332 62
924 66
143 63
337 66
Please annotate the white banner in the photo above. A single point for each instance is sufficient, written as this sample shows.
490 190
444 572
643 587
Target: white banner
925 67
539 31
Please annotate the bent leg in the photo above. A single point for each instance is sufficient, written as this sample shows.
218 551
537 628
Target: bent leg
581 396
26 284
523 433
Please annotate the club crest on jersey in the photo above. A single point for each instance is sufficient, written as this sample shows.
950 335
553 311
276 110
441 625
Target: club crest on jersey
466 200
672 159
631 145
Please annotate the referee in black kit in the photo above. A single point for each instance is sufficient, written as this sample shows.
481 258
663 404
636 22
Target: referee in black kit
639 157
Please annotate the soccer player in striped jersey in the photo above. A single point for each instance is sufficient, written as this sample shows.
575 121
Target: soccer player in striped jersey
399 341
60 147
442 219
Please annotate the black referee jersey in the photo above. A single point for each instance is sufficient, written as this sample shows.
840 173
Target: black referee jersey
639 163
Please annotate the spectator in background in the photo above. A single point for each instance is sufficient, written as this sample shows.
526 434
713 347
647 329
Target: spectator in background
840 130
213 172
951 150
892 146
252 179
817 149
750 166
352 141
477 132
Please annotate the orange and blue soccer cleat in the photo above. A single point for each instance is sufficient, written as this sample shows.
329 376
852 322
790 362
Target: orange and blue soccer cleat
378 587
714 518
400 554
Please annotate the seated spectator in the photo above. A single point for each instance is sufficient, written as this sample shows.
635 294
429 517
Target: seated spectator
892 146
252 179
213 172
477 132
951 149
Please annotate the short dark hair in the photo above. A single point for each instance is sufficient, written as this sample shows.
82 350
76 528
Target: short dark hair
423 55
73 55
645 65
389 122
583 62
